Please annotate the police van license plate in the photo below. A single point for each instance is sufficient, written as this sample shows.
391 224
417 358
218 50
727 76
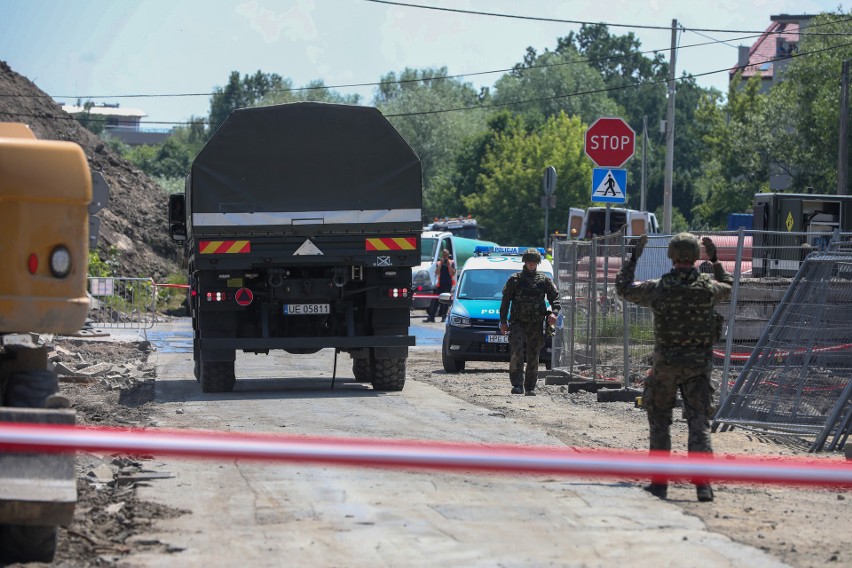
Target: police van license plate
496 339
306 309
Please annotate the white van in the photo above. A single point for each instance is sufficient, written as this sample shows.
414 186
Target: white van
591 222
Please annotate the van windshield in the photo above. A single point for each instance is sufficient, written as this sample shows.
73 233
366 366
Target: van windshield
484 284
427 249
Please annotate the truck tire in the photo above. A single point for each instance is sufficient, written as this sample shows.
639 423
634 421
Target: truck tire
389 374
361 370
29 543
217 376
451 364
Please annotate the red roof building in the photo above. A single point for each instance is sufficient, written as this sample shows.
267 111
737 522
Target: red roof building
768 56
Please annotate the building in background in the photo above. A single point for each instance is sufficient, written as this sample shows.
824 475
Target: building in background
767 58
122 123
769 55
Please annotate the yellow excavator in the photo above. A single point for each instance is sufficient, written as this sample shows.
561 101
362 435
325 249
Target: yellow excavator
45 200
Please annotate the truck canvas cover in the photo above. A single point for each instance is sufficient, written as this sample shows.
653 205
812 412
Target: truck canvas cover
305 164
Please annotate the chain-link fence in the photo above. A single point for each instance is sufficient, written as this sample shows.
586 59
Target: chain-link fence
122 303
599 337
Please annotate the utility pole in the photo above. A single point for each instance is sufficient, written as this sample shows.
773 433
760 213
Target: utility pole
670 117
842 150
642 205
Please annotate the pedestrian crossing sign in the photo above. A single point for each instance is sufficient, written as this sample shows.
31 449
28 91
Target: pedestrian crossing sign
609 185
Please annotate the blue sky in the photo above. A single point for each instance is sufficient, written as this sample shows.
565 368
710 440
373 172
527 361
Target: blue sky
82 48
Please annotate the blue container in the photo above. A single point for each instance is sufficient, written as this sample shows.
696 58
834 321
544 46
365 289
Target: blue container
737 220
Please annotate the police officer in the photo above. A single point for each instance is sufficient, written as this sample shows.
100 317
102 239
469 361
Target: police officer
525 292
685 327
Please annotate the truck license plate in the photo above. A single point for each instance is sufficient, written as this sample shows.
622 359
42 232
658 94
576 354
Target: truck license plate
306 309
496 339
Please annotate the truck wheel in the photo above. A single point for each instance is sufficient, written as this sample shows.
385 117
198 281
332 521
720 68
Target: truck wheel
28 543
389 374
451 364
361 370
217 376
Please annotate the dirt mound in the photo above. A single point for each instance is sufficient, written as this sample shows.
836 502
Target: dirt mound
135 219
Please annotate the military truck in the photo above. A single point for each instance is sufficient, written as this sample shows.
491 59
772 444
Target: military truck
45 194
301 224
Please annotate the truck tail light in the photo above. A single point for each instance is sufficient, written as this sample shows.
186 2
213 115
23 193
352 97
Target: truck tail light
397 292
218 296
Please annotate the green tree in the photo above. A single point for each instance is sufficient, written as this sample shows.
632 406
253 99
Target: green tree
415 102
509 198
315 91
242 92
544 85
739 142
805 107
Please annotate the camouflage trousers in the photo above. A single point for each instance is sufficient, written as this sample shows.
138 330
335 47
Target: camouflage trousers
525 342
659 399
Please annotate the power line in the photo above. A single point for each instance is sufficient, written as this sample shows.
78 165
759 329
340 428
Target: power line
481 107
559 20
398 82
464 75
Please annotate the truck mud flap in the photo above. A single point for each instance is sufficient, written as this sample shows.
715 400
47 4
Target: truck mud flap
377 341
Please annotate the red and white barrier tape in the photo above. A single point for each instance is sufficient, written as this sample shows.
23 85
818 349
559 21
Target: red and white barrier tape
409 454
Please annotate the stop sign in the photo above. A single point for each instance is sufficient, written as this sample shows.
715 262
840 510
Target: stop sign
610 142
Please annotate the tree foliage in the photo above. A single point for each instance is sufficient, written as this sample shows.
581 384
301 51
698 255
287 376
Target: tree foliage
805 106
544 85
508 200
419 104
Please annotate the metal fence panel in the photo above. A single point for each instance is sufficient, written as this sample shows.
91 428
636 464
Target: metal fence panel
122 303
797 379
587 343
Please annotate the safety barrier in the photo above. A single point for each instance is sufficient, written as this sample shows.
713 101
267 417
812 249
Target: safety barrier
600 336
122 303
423 455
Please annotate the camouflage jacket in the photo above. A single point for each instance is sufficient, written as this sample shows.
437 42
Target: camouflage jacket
685 322
526 291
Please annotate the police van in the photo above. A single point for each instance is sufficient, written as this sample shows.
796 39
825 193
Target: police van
472 332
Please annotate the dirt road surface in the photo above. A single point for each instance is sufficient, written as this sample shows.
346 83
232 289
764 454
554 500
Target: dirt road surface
195 512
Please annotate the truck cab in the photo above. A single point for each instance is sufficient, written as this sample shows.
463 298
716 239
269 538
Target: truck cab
591 222
472 332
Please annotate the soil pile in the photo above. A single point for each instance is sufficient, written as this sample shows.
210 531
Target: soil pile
134 221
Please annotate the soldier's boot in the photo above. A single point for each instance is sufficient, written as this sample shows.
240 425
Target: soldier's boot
529 388
660 490
517 380
704 492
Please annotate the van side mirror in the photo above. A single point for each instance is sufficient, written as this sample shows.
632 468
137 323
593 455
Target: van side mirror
177 217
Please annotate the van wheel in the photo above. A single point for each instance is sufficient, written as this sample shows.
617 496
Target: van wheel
451 364
389 374
217 376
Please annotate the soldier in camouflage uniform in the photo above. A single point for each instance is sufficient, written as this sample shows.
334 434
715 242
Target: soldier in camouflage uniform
525 292
685 327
